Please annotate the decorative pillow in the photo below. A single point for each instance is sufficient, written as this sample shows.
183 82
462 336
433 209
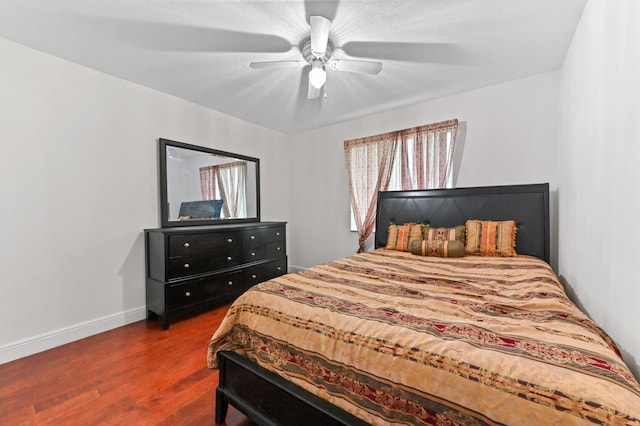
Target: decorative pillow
398 236
441 248
445 234
491 238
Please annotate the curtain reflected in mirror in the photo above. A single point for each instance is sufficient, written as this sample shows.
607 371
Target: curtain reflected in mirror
207 185
227 183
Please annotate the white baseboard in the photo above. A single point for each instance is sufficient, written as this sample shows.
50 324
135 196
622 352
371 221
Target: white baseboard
294 268
42 342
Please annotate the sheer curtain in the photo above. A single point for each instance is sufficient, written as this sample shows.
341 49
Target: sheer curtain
226 181
208 184
418 158
369 164
427 155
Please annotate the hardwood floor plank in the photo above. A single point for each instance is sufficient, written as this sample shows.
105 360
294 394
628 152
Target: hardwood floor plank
138 374
9 415
77 402
104 412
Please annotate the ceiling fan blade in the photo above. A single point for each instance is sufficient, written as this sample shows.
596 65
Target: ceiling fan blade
445 53
326 8
319 35
277 64
313 92
364 67
165 37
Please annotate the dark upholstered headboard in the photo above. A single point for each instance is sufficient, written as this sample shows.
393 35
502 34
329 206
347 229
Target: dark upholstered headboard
528 205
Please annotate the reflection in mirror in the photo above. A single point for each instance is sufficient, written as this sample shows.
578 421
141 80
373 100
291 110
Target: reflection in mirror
203 186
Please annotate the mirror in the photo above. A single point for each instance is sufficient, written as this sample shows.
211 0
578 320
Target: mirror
204 186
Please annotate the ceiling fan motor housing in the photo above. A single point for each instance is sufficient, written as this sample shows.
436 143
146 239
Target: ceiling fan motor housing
308 55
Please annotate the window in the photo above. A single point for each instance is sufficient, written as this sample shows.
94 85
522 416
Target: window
416 158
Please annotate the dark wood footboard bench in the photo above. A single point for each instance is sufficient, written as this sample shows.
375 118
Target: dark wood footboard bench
268 399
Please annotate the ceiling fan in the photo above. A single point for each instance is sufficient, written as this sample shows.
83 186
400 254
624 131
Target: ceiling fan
316 51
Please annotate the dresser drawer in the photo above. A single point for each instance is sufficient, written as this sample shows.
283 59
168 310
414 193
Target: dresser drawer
198 264
189 244
261 236
267 251
265 271
203 289
275 250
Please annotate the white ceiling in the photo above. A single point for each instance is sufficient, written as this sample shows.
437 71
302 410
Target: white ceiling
200 50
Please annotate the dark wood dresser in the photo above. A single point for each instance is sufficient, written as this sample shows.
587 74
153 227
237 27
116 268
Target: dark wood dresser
192 269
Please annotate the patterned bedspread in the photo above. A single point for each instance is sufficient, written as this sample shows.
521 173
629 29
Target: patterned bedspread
397 338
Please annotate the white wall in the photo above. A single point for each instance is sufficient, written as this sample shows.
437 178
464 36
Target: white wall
599 173
511 135
78 183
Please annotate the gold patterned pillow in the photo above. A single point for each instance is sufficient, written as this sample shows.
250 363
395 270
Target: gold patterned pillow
445 234
491 238
399 236
440 248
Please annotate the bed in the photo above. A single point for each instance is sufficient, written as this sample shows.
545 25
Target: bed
392 337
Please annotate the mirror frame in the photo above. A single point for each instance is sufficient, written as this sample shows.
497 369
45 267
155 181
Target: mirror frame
164 196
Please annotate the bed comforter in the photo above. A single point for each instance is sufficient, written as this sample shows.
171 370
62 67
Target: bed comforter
397 338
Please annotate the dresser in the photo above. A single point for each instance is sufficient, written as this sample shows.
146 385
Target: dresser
193 269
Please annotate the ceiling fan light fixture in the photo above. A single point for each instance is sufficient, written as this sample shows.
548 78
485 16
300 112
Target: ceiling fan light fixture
317 75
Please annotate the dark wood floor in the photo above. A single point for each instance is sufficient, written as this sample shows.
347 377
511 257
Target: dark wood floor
136 374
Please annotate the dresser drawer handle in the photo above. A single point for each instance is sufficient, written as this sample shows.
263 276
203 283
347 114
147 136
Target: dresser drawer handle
186 266
229 240
277 234
228 257
254 276
253 237
278 248
253 254
187 294
186 244
279 268
230 283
